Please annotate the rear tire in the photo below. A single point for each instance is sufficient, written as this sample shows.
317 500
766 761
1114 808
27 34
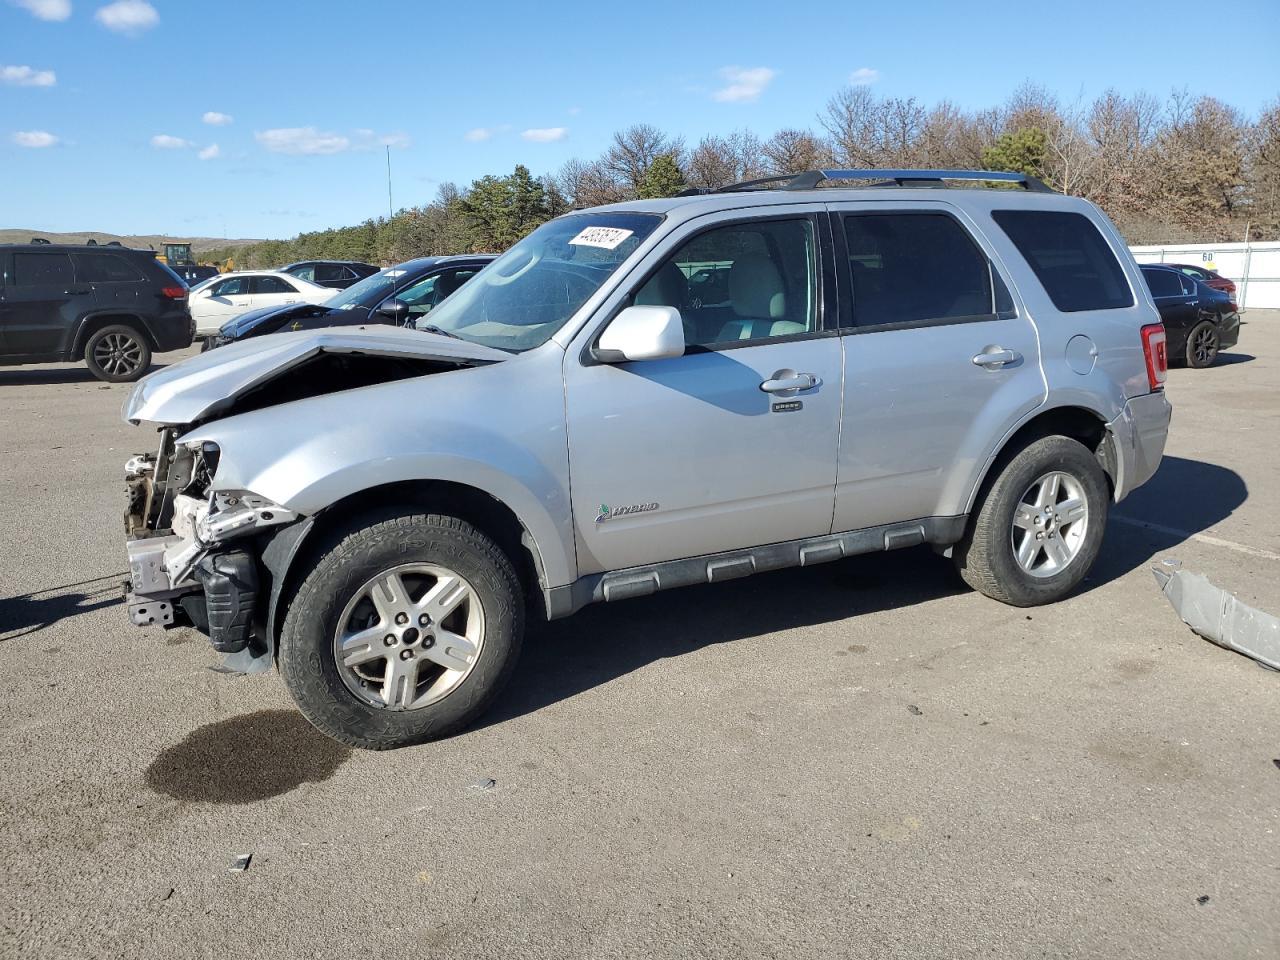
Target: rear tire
390 688
1203 343
1055 493
117 354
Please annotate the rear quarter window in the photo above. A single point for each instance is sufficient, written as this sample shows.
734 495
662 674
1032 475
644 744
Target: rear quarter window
106 268
1069 257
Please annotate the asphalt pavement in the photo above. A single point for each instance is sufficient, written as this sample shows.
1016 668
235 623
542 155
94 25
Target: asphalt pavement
857 760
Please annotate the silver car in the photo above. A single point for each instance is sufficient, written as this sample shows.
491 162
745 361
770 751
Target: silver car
644 396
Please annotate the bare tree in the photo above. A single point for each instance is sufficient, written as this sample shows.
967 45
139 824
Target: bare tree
717 161
794 151
633 151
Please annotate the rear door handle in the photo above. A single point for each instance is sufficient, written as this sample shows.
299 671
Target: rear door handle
993 358
791 381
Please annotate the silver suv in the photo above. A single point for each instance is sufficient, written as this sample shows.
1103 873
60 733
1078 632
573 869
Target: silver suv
644 396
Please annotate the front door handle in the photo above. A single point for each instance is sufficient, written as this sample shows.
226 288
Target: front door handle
76 291
785 380
993 358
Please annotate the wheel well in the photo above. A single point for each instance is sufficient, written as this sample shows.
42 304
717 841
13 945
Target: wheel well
99 321
1074 422
486 513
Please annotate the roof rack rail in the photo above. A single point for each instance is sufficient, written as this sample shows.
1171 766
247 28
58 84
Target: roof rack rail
903 178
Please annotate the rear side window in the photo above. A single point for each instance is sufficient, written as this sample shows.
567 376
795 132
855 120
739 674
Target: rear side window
106 268
329 272
1070 258
1163 283
917 268
270 285
36 269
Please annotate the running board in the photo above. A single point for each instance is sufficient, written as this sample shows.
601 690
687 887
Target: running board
733 564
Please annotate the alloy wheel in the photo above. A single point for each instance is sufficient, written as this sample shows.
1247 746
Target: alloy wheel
1204 346
118 354
409 637
1049 524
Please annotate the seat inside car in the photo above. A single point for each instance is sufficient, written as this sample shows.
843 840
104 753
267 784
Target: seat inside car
759 301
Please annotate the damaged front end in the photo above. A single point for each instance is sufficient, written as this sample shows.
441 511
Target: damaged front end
186 563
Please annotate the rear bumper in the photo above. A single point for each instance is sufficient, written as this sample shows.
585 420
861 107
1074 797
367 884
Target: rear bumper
1138 439
173 331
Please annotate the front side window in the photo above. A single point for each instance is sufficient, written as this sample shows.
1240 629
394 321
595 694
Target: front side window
521 299
1069 257
231 287
421 296
916 268
305 273
42 269
746 281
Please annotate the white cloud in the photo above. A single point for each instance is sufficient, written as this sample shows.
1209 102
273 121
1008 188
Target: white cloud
396 140
34 138
574 111
128 16
864 77
216 119
478 134
165 142
26 77
46 9
743 84
302 141
366 139
546 134
211 152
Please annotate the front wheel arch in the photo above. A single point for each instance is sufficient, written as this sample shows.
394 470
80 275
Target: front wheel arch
288 554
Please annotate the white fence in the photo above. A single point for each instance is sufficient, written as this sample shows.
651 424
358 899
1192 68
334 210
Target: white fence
1255 267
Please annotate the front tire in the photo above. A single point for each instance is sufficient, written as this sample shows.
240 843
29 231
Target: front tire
1039 527
117 354
403 632
1203 343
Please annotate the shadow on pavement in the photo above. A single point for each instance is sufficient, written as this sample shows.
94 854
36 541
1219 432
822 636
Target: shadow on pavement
1184 497
1228 359
603 642
30 612
36 375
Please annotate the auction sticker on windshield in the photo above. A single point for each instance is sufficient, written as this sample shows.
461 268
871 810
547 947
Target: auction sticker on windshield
607 238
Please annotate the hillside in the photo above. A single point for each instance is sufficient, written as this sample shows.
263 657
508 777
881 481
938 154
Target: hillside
198 244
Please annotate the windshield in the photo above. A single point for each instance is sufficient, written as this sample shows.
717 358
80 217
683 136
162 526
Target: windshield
369 291
521 299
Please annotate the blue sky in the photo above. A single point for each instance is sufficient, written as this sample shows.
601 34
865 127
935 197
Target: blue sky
110 110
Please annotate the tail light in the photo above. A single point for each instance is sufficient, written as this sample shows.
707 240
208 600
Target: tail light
174 293
1153 348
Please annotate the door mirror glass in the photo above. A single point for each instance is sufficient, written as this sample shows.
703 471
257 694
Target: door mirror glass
642 333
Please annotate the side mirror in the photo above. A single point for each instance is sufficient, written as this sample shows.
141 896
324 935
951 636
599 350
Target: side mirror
642 333
395 310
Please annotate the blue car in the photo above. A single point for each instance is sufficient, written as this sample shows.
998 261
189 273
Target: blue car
399 295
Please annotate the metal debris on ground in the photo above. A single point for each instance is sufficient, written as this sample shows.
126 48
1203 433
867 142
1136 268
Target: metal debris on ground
915 711
1202 899
484 783
242 863
1218 616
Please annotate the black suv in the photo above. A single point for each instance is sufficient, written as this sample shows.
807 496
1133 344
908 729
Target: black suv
112 307
338 274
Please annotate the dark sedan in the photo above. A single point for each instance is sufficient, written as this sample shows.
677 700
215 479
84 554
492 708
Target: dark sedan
1199 321
399 295
338 274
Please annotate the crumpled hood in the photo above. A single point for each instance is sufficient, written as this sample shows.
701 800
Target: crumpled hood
210 382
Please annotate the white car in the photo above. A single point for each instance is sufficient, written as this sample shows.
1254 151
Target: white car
219 299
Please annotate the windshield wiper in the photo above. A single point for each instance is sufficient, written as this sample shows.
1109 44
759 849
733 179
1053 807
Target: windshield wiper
440 330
